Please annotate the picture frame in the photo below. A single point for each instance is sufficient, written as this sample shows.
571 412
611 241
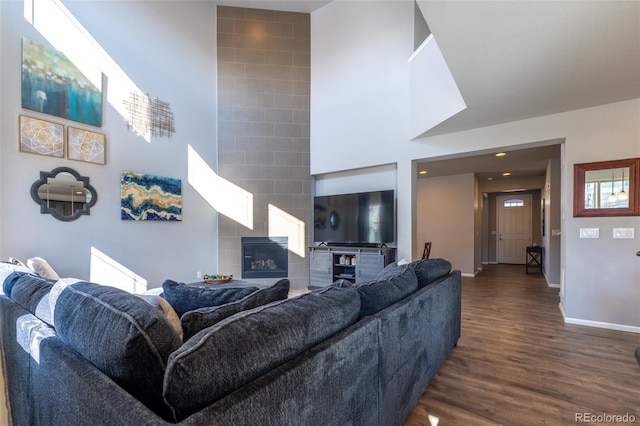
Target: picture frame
38 136
86 145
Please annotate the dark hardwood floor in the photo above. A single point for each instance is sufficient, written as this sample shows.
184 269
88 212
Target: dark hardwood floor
518 363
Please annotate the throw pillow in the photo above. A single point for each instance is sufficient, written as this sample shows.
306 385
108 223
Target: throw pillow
163 306
42 268
184 297
377 295
245 346
199 319
122 335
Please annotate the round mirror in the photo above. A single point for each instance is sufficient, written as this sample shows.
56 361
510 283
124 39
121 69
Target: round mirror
64 194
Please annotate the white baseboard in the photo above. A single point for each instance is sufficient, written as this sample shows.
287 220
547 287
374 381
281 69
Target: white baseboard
552 285
466 274
598 324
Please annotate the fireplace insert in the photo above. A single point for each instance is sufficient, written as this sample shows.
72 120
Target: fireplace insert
265 257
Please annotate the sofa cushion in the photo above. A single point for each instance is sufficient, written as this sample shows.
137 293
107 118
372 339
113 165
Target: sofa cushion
30 291
184 297
378 294
240 348
429 270
196 320
122 335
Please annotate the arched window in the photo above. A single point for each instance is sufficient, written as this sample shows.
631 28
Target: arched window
514 202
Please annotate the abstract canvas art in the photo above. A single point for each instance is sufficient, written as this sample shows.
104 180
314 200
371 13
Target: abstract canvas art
52 84
84 145
149 197
41 137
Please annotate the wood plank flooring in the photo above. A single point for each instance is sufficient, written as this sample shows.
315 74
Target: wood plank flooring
518 363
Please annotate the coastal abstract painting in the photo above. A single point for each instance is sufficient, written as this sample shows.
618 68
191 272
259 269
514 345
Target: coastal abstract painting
52 84
149 197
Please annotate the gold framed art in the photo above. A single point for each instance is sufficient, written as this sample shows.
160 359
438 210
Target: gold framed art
85 145
41 137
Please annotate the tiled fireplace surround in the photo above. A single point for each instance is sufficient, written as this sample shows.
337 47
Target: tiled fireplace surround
263 125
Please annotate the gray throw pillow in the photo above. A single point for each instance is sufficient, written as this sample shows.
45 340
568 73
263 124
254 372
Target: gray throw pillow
184 297
199 319
241 348
123 336
378 294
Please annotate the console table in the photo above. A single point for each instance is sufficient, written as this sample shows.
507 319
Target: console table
534 258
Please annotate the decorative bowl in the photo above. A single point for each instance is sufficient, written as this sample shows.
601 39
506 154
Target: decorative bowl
217 279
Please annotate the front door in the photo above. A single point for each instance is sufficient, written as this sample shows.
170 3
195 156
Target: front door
514 227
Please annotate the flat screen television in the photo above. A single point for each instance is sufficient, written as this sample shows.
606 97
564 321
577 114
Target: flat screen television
365 218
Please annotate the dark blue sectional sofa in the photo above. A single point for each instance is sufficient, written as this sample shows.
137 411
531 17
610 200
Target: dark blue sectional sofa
78 353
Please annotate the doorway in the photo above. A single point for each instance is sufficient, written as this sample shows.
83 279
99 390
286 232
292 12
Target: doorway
514 227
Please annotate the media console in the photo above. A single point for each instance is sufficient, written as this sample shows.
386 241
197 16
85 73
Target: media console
329 263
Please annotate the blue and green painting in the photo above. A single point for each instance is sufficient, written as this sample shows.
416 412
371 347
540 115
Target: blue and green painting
52 84
149 197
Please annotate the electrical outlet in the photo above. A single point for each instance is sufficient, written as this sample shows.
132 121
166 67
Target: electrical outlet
623 233
589 232
199 274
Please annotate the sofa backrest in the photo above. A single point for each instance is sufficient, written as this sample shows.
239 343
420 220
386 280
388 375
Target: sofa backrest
241 348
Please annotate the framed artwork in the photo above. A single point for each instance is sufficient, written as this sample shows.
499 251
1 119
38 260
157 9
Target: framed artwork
87 146
41 137
149 197
53 85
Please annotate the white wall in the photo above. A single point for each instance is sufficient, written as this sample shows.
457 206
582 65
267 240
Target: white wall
446 217
168 51
359 86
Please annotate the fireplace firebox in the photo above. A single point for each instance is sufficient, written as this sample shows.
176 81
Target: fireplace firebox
265 257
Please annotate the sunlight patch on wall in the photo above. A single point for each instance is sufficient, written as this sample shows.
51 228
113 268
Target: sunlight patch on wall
227 198
434 93
66 34
282 224
107 271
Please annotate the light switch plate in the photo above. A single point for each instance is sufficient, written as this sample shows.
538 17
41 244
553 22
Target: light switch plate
589 232
623 233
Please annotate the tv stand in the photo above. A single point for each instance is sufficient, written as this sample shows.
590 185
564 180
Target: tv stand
355 245
361 263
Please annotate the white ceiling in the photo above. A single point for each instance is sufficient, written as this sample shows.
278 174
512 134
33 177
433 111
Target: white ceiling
514 60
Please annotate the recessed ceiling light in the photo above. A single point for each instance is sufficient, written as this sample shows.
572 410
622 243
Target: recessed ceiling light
423 172
506 174
501 154
489 178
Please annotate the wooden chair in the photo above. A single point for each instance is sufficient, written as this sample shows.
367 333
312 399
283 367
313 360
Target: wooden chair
427 250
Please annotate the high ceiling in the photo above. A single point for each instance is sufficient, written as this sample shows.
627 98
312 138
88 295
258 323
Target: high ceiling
514 60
